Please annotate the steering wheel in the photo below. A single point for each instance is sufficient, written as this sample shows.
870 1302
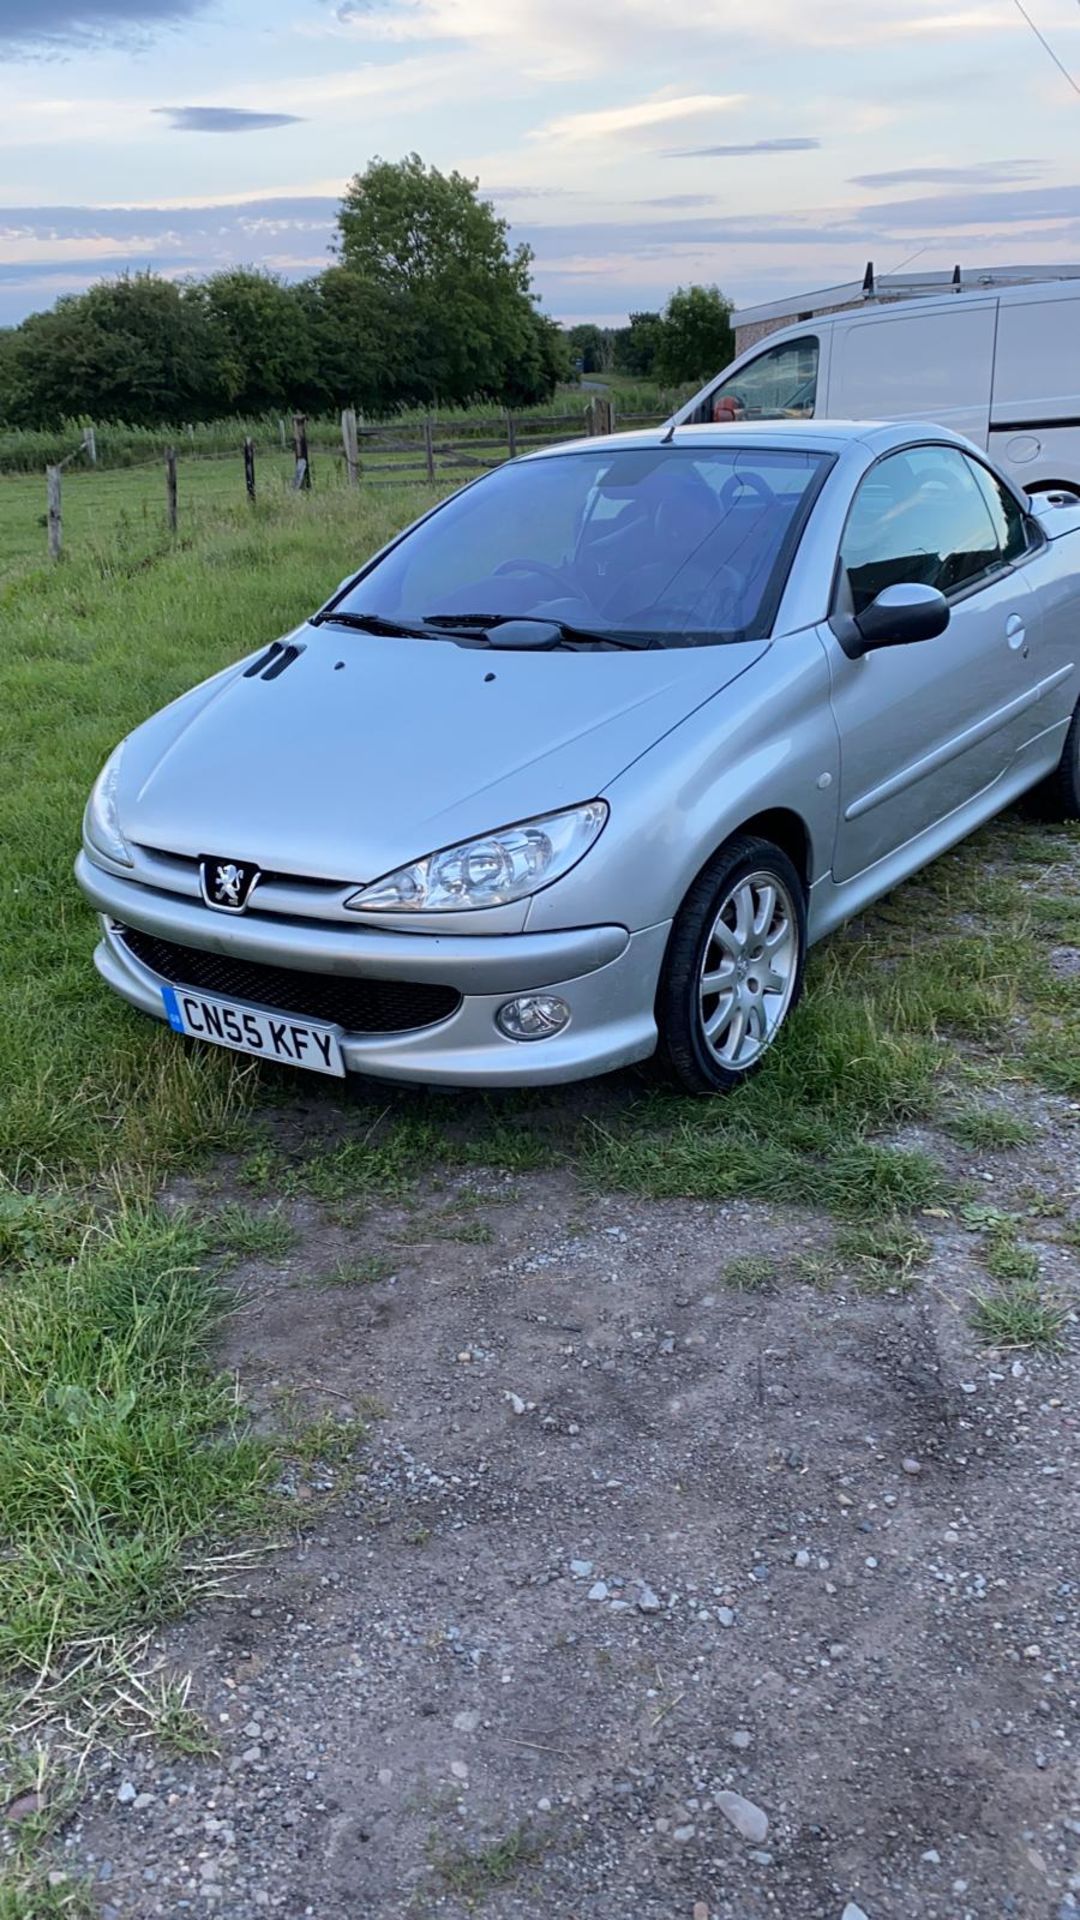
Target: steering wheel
726 582
733 486
533 566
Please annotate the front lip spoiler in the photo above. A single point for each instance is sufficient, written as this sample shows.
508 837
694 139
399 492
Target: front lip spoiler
475 963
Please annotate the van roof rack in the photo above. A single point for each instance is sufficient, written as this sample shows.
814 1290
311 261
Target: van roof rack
885 288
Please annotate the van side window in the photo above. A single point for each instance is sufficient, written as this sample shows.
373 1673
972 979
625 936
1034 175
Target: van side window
781 384
919 516
1010 524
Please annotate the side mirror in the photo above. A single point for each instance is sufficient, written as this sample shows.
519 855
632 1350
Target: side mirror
899 616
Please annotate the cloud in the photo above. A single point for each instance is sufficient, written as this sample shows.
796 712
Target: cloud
1027 207
527 193
1050 216
797 144
656 111
224 119
850 23
77 271
567 36
681 200
635 258
288 232
28 26
983 173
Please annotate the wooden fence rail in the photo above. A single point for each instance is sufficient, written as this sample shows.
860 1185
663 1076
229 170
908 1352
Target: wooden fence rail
384 455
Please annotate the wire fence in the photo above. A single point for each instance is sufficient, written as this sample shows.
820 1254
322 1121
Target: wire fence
395 455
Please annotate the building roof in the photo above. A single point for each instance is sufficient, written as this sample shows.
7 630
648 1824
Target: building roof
898 286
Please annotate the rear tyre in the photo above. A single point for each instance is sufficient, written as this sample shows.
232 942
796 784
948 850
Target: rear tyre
1058 797
734 966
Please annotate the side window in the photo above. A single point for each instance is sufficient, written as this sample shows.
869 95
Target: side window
781 384
919 516
1010 524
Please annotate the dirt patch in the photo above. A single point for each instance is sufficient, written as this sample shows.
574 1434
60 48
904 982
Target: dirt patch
624 1540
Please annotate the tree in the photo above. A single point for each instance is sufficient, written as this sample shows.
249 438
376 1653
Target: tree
428 243
362 346
538 372
138 348
637 345
590 346
266 334
696 339
428 303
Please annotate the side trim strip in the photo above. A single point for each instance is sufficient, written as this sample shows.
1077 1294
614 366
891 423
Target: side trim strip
1033 426
952 749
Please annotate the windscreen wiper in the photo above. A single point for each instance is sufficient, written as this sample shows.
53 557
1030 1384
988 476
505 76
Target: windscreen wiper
534 632
372 623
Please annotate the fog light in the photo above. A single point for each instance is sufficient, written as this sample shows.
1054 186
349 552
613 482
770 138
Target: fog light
533 1016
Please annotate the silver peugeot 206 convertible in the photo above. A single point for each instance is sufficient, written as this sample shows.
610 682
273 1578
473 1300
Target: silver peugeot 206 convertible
575 768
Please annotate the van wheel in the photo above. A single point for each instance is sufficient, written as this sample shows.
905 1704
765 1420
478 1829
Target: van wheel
1059 796
734 966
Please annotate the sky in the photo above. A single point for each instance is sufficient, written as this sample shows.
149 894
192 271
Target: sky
769 146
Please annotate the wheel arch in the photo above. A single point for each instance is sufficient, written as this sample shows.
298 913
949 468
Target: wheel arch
783 826
787 830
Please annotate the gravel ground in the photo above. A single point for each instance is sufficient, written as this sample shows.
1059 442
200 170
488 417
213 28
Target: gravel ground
648 1597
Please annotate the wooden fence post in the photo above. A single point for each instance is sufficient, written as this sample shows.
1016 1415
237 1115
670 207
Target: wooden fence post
351 443
249 469
170 487
89 445
511 433
600 414
52 483
429 448
302 475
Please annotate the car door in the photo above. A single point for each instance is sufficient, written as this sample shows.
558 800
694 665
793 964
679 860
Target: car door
781 383
925 727
1051 653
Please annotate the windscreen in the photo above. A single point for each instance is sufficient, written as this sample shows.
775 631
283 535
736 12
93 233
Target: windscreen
687 544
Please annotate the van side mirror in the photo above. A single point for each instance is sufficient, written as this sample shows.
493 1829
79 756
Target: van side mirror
899 616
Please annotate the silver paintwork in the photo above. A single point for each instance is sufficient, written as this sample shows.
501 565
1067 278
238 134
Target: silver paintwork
873 766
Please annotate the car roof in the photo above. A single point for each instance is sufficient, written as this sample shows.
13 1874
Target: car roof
811 436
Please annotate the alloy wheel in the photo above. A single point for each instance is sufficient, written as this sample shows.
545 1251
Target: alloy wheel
748 971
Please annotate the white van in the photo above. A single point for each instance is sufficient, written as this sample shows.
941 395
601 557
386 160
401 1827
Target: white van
1001 366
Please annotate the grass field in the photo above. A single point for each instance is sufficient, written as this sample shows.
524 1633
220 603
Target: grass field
115 516
119 505
119 513
117 1443
30 450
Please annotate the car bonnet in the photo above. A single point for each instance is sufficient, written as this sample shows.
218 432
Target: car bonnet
363 752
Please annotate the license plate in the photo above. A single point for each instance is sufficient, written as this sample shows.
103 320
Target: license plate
271 1036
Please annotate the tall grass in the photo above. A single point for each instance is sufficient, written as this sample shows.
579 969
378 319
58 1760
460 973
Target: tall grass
91 647
119 444
117 1444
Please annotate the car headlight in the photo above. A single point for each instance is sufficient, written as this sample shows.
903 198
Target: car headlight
101 821
504 866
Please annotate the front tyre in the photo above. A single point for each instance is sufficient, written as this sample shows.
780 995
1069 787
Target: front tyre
734 966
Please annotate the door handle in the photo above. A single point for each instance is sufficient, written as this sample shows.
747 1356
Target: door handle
1015 633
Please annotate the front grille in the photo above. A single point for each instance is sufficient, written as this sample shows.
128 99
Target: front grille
359 1005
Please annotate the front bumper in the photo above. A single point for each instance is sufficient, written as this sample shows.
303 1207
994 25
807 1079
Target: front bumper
607 976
